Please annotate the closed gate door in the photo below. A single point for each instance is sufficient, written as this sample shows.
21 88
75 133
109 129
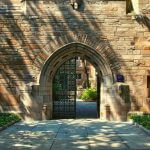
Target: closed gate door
64 91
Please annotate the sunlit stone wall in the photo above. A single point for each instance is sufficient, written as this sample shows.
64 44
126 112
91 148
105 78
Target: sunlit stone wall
28 26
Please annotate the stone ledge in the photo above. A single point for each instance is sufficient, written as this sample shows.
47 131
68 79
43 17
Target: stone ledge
8 125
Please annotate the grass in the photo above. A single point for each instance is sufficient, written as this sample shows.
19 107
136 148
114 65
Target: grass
6 118
143 120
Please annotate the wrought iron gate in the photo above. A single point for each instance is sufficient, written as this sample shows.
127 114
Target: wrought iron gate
64 91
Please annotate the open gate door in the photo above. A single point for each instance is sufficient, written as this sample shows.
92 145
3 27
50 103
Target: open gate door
64 91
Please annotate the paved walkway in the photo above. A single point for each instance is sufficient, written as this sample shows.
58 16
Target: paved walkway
82 134
86 109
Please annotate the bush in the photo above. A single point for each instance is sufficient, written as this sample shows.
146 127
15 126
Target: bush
143 120
6 118
89 94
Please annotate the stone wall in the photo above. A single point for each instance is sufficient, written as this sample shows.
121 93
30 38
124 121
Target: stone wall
30 32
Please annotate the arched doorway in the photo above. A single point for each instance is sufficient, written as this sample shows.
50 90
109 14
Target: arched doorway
75 90
60 57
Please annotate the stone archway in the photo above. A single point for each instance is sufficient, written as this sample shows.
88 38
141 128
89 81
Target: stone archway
95 57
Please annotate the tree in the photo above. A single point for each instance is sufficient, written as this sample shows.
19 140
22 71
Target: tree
86 73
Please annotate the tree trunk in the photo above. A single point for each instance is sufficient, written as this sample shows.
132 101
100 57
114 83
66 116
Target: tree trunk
86 72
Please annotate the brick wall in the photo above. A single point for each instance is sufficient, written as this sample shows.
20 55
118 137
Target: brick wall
27 27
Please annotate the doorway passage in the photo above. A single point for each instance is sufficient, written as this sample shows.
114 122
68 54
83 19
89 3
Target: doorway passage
76 89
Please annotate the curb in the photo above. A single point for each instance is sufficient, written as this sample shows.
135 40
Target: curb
8 125
142 128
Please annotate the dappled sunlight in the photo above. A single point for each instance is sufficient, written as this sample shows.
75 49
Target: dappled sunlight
147 144
106 145
32 38
74 134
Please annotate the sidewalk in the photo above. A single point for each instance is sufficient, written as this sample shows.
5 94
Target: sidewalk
83 134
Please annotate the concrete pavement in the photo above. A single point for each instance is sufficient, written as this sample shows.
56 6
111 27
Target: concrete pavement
86 109
83 134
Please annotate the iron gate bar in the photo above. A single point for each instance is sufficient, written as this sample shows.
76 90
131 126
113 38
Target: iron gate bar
64 91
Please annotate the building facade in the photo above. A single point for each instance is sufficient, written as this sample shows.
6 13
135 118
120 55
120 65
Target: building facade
86 76
37 36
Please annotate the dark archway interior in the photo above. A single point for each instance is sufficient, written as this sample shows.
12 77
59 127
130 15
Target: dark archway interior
81 100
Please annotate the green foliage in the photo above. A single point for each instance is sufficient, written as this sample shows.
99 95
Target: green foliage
143 120
89 94
6 118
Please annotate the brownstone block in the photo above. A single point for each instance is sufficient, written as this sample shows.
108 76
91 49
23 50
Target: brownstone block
9 100
147 47
3 90
145 52
33 46
43 55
